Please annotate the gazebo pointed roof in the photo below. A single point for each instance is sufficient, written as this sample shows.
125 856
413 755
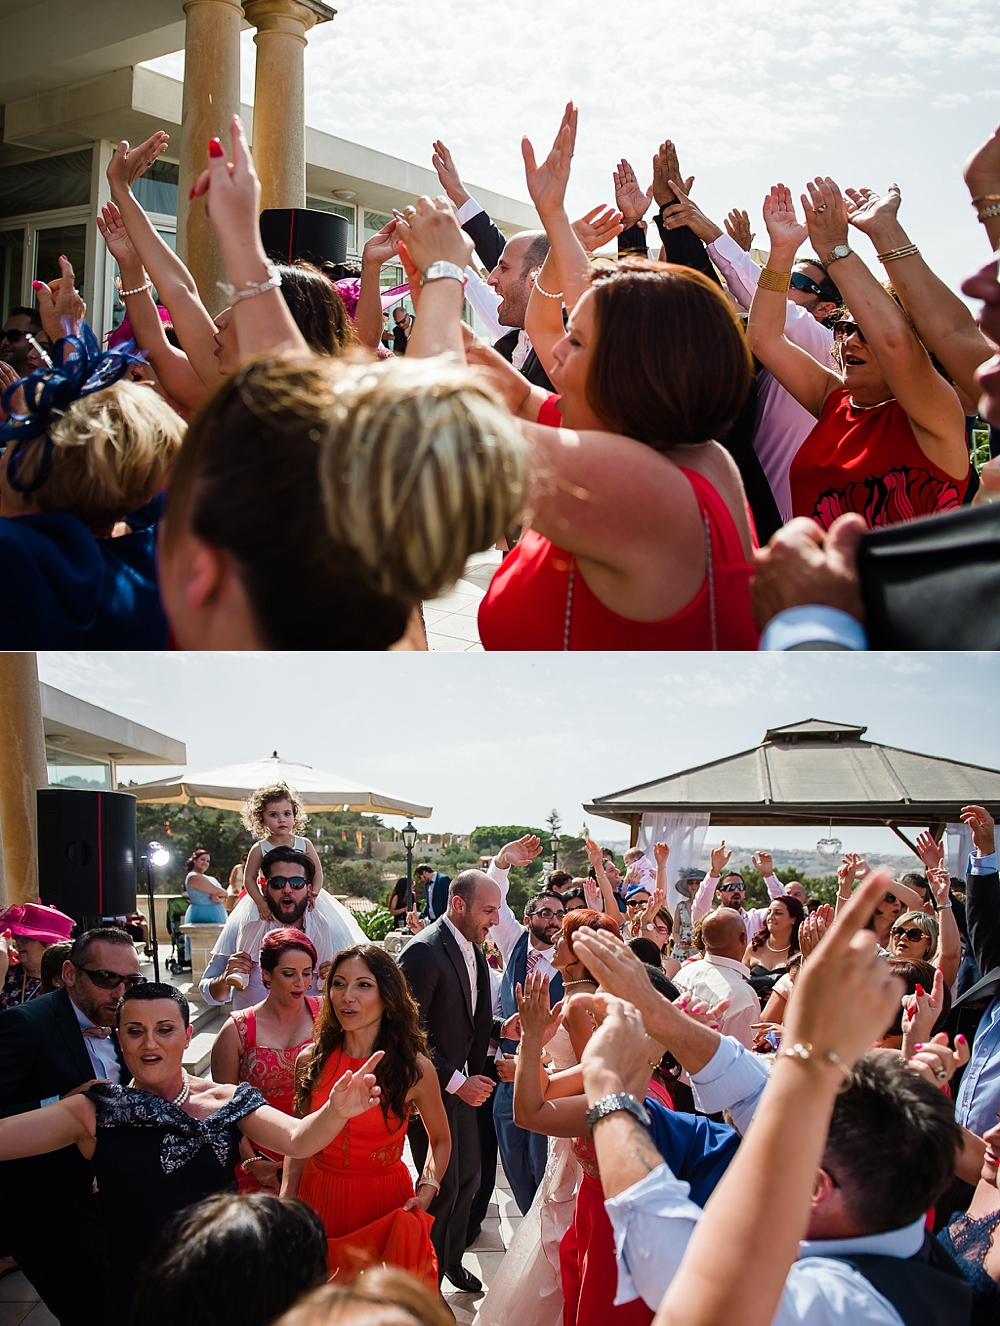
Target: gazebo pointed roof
811 773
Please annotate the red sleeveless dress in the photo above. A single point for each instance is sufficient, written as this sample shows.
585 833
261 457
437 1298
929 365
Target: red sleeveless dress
867 461
539 600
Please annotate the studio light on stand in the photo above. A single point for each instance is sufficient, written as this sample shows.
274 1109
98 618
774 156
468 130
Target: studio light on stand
409 837
154 855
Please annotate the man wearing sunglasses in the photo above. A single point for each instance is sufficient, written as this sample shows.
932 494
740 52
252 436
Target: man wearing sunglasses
14 344
287 876
51 1047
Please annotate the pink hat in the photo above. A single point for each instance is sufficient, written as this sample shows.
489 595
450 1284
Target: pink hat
123 332
33 921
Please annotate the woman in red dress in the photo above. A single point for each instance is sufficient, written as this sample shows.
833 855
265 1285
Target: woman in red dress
639 532
261 1045
360 1187
890 438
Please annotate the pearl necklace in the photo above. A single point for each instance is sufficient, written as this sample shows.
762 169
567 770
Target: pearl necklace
185 1090
768 944
567 984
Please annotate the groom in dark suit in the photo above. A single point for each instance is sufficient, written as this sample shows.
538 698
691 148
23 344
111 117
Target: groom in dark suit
51 1220
450 981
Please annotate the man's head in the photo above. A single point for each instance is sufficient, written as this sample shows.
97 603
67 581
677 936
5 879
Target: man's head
796 890
473 904
544 916
560 880
724 934
14 343
890 1152
287 878
424 874
100 968
512 277
400 316
813 290
731 890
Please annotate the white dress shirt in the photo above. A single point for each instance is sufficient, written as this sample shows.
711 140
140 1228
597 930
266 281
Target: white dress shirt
508 930
753 919
714 978
100 1050
469 954
654 1219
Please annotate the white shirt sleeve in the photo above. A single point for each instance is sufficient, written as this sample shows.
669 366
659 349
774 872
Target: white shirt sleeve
733 1079
702 901
775 888
455 1081
485 301
468 210
225 946
508 930
652 1222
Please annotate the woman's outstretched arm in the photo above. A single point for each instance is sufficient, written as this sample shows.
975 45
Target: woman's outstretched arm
547 186
353 1093
71 1121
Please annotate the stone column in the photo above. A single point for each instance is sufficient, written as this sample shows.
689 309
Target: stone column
211 98
22 773
279 113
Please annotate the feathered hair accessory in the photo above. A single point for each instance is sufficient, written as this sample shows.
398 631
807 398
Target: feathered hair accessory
79 368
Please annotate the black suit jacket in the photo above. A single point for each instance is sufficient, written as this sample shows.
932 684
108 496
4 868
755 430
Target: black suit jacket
982 902
435 968
488 239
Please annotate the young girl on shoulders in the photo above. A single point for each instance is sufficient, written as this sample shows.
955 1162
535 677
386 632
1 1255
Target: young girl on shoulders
274 815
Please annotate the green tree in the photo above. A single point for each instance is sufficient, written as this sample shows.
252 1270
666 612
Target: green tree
490 838
554 821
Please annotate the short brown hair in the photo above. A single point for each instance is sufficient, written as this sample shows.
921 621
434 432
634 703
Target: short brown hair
317 308
670 362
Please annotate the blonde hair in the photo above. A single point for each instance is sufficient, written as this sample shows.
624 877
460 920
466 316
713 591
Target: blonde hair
113 451
421 466
252 810
382 1296
925 922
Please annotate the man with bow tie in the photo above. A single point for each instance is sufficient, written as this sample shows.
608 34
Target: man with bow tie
54 1046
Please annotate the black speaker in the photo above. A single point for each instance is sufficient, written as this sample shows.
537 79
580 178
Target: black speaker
299 232
86 851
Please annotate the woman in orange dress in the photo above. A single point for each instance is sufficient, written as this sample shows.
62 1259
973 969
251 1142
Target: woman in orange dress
261 1045
359 1186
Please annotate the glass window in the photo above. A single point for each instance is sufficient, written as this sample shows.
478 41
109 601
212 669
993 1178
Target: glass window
339 209
11 266
157 189
68 770
55 240
42 186
374 221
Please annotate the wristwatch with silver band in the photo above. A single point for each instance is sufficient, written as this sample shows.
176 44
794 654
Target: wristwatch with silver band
441 271
617 1102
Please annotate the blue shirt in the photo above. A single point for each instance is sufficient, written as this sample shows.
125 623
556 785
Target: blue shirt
978 1099
814 626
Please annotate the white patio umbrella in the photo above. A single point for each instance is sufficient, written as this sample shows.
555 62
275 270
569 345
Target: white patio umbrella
226 789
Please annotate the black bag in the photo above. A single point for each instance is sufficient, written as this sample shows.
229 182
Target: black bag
934 583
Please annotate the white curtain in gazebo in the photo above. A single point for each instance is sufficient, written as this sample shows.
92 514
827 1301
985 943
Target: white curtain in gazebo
683 834
958 846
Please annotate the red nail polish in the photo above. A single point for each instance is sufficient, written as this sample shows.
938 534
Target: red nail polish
36 285
919 1047
191 194
920 989
215 148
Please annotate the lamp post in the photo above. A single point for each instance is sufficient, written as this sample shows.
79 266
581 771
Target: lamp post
409 837
154 855
554 844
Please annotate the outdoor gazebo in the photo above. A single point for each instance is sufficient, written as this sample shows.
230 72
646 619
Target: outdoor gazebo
812 773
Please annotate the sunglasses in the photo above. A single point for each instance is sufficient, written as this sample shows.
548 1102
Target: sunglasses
799 281
547 915
110 980
296 882
891 897
913 934
844 330
13 334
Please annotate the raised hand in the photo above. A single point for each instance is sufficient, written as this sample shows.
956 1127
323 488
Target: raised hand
764 862
431 234
447 173
592 894
940 882
737 225
868 212
630 199
8 377
115 236
355 1092
826 215
127 164
980 821
930 851
813 928
533 1006
547 182
661 853
657 901
936 1061
684 212
920 1012
720 858
784 229
598 227
5 939
616 1057
414 922
981 171
383 246
613 966
232 192
60 306
666 168
595 854
700 1010
521 852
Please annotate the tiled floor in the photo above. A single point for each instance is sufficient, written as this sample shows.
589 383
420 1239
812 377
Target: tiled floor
451 619
20 1305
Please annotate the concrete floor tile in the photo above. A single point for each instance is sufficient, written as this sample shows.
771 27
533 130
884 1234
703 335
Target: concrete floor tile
16 1289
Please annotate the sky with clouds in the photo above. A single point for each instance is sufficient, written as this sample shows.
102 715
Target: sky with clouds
868 91
504 738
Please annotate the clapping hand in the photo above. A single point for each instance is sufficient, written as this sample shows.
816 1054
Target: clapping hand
930 851
127 164
814 927
630 199
720 858
826 215
598 227
431 233
355 1092
784 229
8 377
868 212
737 225
547 182
666 168
657 901
980 821
936 1061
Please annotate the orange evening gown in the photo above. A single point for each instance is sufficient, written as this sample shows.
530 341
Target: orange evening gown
358 1185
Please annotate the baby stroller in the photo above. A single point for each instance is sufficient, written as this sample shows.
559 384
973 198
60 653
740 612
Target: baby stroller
178 960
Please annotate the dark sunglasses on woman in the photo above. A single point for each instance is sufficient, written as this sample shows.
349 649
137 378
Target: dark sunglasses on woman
844 330
913 934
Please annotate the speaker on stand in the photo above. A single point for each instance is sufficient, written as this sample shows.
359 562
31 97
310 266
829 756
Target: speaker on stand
289 233
87 852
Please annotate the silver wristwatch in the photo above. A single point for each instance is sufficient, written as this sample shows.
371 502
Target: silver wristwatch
440 271
615 1103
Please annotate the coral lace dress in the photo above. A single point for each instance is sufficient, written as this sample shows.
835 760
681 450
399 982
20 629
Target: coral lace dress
358 1186
271 1071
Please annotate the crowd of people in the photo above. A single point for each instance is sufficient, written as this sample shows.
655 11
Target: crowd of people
675 447
612 1060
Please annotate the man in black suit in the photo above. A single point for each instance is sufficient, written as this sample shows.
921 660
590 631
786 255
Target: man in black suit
450 981
512 263
435 891
54 1046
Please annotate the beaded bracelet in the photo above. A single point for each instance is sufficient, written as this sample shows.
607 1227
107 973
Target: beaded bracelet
252 289
987 213
804 1052
547 293
139 290
776 281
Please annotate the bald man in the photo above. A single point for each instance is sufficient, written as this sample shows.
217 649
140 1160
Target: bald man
720 974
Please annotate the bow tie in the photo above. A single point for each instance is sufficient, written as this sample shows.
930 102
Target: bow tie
100 1033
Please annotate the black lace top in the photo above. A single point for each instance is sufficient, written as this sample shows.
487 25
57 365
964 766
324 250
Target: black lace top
968 1240
151 1161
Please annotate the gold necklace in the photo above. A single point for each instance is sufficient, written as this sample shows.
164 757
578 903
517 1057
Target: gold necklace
863 409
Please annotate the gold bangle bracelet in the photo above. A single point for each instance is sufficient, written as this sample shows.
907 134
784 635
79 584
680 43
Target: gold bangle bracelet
893 254
987 213
776 281
986 198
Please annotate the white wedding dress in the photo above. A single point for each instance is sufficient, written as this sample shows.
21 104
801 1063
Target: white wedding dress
527 1288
